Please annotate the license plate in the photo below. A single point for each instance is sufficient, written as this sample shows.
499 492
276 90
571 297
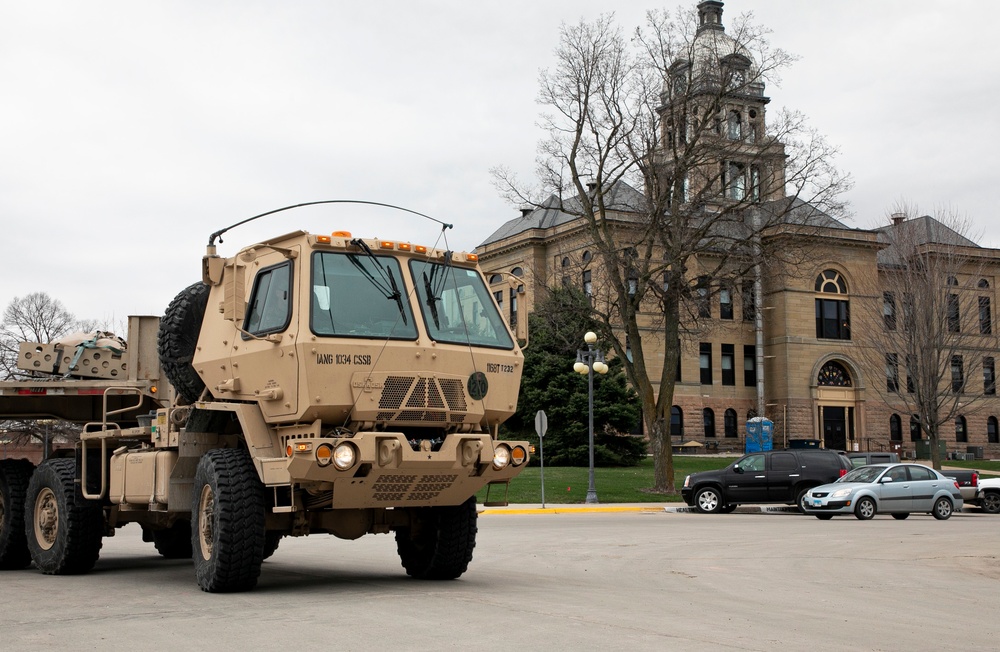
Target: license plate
817 502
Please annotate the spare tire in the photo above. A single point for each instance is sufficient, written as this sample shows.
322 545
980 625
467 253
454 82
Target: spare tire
178 338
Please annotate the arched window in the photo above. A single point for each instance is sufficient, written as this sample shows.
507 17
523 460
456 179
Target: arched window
961 431
983 284
708 417
729 423
915 434
587 256
895 428
676 421
496 278
565 261
517 271
734 126
833 374
833 315
992 432
952 280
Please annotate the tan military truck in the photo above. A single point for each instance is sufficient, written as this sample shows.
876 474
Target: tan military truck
308 384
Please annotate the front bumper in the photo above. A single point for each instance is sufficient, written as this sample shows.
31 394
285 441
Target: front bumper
388 472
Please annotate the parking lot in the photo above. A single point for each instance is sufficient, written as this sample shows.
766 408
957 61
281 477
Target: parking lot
555 581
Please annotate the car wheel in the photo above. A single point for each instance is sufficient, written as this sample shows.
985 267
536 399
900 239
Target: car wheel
824 517
708 500
900 516
990 502
942 509
800 500
865 509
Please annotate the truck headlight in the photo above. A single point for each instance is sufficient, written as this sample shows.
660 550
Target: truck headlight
344 456
501 457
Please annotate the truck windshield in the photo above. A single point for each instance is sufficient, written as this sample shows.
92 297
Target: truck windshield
357 296
457 307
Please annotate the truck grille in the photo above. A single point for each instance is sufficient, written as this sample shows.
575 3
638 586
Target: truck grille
422 399
401 487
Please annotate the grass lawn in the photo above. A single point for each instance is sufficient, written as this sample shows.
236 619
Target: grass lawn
568 484
989 466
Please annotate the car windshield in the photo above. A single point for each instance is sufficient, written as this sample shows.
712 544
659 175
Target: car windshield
457 306
863 474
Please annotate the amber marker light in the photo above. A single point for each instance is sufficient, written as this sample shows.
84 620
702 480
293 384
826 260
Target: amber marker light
472 258
518 456
303 447
403 246
341 234
324 454
420 249
323 239
386 244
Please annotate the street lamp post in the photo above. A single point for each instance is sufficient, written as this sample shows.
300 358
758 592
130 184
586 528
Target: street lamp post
588 361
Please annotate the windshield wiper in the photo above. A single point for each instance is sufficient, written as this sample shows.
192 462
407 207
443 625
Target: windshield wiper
431 299
391 292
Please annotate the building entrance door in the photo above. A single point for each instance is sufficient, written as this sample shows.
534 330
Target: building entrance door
834 427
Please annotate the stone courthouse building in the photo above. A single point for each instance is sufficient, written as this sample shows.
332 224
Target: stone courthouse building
793 350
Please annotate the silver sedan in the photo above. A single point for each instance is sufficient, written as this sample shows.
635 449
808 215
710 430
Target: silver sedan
896 489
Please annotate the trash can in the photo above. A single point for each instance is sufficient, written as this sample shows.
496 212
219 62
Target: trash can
978 452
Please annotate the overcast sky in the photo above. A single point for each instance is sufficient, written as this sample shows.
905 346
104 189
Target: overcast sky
131 130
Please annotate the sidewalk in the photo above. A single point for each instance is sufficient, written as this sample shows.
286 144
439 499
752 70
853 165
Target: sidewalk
651 508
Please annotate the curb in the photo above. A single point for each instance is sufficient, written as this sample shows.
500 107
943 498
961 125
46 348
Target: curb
647 509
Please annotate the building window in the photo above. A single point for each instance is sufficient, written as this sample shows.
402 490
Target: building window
911 373
961 433
957 374
729 423
498 296
985 316
992 432
734 181
749 304
565 262
496 278
833 374
708 417
749 365
754 181
725 303
633 283
889 310
954 316
915 434
628 349
734 128
701 291
705 362
517 271
895 428
587 256
678 377
833 316
728 364
891 372
676 422
588 284
513 305
989 377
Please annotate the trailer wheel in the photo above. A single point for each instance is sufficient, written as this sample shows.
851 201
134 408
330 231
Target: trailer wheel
178 338
62 527
174 542
439 544
14 478
227 521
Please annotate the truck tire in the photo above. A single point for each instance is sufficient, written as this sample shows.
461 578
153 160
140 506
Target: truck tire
14 478
708 500
990 502
174 542
178 338
439 544
227 521
271 540
63 528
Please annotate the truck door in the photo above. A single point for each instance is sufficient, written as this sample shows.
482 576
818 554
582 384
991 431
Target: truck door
782 477
263 360
746 480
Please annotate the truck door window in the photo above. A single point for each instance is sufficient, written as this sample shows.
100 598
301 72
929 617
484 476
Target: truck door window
270 308
783 462
752 463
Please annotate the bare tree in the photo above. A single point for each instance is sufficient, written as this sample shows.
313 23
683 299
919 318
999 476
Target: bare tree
930 323
677 113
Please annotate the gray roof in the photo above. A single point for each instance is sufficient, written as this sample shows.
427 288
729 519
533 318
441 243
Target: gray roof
621 197
919 231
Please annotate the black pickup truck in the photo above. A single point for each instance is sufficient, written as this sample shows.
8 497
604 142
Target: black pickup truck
968 483
769 477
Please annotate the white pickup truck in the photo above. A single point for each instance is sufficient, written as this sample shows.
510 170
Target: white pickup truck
988 495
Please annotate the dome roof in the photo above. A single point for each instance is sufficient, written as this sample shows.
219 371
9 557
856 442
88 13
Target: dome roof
712 50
